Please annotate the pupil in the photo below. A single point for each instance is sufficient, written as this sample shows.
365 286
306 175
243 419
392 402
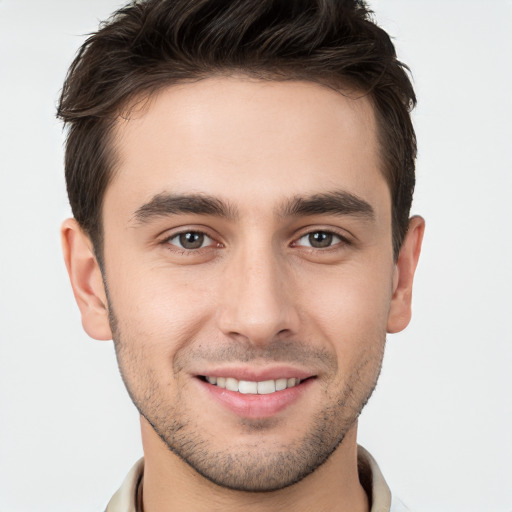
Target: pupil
320 239
191 240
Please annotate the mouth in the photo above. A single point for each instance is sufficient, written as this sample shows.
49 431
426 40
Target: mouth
247 387
256 396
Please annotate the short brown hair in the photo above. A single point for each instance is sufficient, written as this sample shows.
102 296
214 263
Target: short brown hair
148 45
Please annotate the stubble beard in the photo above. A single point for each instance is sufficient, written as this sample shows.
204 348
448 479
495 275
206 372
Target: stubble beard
258 467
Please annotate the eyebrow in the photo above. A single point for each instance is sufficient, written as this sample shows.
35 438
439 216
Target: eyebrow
338 202
165 204
330 203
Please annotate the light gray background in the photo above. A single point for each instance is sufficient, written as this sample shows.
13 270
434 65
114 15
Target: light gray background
440 422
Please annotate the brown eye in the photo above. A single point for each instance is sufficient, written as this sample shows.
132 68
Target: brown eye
319 240
191 240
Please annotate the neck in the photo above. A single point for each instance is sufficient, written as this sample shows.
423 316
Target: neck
170 484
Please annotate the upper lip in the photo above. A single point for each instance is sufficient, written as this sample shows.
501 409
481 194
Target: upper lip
257 374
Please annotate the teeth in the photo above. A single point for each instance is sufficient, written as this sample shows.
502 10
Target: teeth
247 387
281 384
266 387
231 384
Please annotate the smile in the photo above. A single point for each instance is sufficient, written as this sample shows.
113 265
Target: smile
264 387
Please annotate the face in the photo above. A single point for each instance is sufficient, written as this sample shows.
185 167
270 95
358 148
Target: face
250 274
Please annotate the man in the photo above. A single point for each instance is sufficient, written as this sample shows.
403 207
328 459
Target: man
241 175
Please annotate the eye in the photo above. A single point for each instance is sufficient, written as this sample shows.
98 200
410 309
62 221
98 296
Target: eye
191 240
319 240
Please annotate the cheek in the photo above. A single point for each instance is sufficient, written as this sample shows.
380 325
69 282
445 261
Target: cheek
350 306
157 315
159 309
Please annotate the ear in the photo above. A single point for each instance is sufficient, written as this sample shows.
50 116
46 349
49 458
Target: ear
400 309
86 280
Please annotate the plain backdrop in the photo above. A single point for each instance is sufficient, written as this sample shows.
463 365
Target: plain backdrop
440 422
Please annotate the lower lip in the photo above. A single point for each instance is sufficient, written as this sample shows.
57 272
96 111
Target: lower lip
256 406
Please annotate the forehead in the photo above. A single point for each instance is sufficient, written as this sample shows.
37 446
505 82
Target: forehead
239 138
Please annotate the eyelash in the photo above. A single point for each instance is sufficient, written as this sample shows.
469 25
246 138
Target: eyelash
183 250
342 241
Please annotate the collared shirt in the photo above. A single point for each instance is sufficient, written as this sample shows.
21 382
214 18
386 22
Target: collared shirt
125 499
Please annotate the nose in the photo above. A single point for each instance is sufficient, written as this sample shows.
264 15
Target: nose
257 302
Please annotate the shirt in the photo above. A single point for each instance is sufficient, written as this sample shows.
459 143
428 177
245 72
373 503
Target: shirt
125 499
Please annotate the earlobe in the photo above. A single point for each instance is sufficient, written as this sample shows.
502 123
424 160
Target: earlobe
86 280
400 308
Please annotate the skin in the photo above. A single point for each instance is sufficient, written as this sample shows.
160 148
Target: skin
255 296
